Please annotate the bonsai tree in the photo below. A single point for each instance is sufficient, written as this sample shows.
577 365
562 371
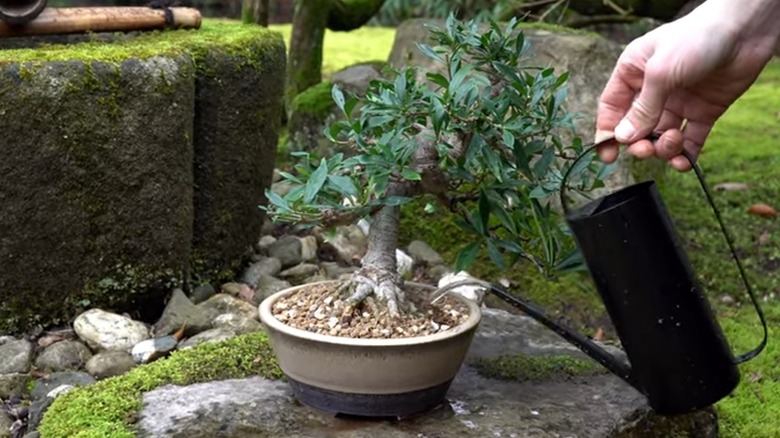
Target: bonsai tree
483 140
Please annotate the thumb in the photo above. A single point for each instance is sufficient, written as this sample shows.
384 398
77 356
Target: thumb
646 110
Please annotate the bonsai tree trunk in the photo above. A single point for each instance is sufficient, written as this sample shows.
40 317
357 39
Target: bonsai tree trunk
310 18
255 11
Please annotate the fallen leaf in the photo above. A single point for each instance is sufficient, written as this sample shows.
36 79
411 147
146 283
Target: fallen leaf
763 210
599 334
731 186
755 376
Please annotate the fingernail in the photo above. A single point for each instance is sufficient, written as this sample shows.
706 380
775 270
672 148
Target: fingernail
624 131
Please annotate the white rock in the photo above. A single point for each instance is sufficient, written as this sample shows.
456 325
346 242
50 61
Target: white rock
102 330
364 226
473 293
62 389
404 262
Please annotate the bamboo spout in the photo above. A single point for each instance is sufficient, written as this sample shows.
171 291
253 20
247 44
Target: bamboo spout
20 12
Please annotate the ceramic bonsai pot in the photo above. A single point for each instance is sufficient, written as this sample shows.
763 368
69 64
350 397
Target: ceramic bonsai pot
369 377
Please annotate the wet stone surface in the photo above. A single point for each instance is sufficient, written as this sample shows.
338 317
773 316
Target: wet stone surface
598 405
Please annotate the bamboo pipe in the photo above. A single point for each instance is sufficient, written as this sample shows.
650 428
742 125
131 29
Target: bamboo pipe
102 19
19 12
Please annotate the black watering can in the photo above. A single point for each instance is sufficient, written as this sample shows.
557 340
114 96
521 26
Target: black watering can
679 357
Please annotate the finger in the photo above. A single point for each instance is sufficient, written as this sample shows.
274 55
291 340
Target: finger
646 110
669 144
608 150
693 140
641 149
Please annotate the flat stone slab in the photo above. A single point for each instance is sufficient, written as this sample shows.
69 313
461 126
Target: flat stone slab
584 406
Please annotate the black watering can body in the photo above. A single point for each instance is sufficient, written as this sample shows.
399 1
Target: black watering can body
679 357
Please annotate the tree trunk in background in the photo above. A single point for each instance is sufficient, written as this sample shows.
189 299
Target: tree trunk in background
310 18
255 11
304 64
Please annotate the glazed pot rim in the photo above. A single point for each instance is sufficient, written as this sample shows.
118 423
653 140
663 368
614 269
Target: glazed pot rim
267 317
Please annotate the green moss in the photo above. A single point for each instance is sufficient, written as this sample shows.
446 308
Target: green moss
316 100
108 408
226 34
522 368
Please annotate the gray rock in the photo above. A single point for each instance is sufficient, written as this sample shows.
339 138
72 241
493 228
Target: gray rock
33 434
103 330
6 338
13 384
181 312
202 293
272 400
334 270
266 266
5 425
264 242
300 271
421 252
53 381
348 241
39 407
268 286
17 356
238 323
63 356
109 364
356 78
222 303
151 349
308 248
287 250
214 335
439 271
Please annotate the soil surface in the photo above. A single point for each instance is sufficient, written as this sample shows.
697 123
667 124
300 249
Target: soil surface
320 308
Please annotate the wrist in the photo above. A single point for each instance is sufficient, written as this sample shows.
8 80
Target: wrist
750 20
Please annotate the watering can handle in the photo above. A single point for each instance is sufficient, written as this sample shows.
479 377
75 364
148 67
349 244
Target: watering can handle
654 136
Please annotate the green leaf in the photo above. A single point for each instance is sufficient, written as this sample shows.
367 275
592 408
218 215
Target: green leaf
538 192
495 255
509 138
315 182
466 256
343 184
429 52
338 97
277 200
504 218
484 207
438 79
410 175
543 165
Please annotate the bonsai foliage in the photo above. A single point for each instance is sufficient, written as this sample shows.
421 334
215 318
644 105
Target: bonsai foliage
482 140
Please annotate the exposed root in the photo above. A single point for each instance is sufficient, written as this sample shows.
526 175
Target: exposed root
385 286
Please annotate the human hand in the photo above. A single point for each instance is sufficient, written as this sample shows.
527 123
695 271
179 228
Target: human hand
690 70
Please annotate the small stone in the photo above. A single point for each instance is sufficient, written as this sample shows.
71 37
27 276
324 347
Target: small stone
333 321
421 252
54 380
404 263
14 384
328 300
308 248
103 330
728 300
292 313
202 293
435 326
148 350
300 271
109 364
264 267
264 243
223 303
320 314
349 242
238 323
17 356
214 335
63 356
444 327
287 250
181 312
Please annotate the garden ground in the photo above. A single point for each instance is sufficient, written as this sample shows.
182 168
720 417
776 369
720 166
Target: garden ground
744 147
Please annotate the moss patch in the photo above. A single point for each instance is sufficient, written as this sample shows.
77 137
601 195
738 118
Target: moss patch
523 368
316 100
108 408
212 33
